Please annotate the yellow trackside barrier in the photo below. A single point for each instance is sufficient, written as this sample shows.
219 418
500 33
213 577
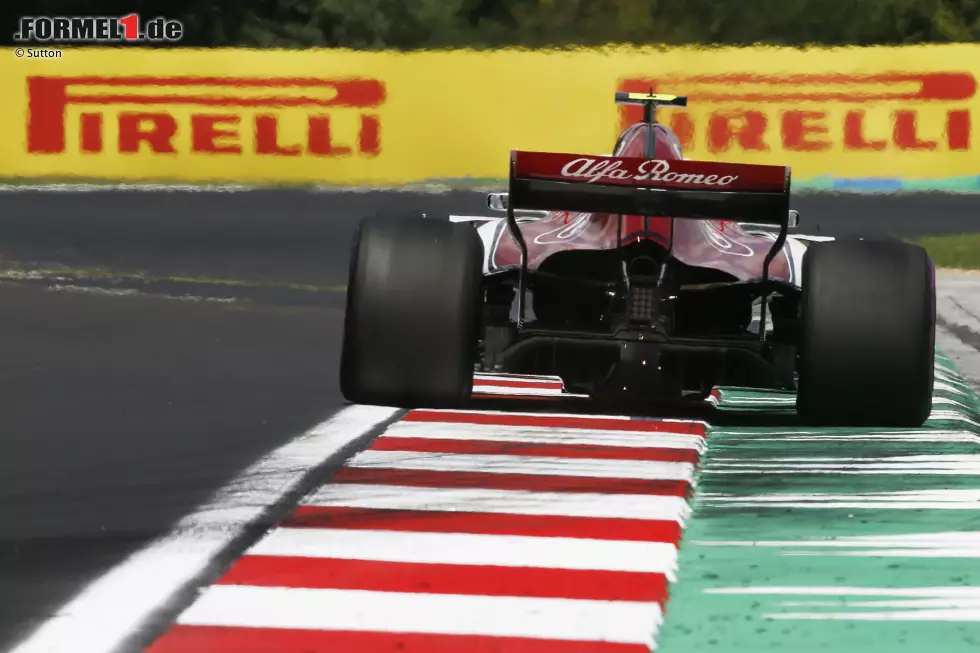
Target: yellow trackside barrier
337 116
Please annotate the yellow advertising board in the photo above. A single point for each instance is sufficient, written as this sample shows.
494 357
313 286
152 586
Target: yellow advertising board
338 116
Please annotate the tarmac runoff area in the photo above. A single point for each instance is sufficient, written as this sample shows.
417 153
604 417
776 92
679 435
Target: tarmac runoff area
958 308
154 492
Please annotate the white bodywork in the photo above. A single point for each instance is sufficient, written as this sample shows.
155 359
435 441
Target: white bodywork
795 247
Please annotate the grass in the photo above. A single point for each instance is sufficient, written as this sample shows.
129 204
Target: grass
955 251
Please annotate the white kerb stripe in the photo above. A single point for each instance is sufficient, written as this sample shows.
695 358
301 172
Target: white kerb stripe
568 504
528 391
444 431
570 467
450 614
469 549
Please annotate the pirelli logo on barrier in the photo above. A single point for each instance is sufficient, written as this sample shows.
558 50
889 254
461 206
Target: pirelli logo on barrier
882 113
908 114
220 116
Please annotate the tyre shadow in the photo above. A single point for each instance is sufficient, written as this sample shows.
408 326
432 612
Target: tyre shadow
703 411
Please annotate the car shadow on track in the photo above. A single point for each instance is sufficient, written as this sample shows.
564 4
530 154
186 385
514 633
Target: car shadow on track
702 411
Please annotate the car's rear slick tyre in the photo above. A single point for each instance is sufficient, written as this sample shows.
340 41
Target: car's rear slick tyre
868 344
414 300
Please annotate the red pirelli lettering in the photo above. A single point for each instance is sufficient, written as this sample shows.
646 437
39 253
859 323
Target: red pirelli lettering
155 129
370 137
802 131
683 127
834 87
91 132
741 114
854 137
267 137
747 127
207 130
958 129
49 98
906 132
320 141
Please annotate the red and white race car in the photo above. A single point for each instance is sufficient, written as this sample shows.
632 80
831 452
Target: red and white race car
637 278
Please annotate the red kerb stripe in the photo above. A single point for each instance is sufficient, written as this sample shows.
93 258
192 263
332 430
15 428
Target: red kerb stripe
213 639
556 421
494 447
528 482
427 578
485 523
487 396
512 383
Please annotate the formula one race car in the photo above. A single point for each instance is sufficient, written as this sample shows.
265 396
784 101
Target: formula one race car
640 277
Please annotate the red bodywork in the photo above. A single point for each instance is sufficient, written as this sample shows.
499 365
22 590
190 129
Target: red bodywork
717 244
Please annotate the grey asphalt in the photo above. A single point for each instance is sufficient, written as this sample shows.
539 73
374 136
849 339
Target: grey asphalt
300 236
121 413
958 308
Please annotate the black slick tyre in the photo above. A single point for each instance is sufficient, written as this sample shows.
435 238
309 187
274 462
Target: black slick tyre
414 300
868 340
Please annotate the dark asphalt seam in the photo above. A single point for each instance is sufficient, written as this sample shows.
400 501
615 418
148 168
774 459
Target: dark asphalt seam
196 291
163 618
966 335
965 309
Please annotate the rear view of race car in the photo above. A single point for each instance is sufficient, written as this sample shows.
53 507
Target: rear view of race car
628 310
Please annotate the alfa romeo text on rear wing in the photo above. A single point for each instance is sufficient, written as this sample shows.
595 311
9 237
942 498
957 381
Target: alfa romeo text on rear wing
651 187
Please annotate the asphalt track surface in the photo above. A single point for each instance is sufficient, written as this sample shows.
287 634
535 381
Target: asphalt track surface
304 237
123 410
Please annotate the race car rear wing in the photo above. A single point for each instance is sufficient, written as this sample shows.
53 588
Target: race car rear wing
650 187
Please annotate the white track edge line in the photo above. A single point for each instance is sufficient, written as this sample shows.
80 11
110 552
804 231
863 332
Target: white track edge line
113 607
